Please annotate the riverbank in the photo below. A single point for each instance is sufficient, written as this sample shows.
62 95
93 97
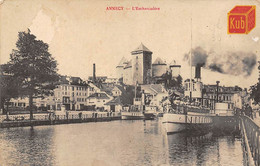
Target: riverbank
53 119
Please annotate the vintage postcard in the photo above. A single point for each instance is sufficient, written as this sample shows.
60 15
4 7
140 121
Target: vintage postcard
129 82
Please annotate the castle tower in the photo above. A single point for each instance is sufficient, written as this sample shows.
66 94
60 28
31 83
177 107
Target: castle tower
120 67
159 67
141 65
175 69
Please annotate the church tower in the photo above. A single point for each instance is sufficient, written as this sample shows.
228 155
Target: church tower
141 65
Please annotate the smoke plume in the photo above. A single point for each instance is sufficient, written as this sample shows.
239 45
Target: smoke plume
199 57
233 63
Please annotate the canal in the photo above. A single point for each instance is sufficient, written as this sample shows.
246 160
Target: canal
116 143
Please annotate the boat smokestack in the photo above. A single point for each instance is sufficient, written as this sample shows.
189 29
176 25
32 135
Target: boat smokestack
94 73
198 71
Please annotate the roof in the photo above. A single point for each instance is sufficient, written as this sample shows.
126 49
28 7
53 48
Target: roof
99 96
159 61
107 88
126 97
122 62
141 48
115 101
153 88
120 88
72 80
174 64
129 64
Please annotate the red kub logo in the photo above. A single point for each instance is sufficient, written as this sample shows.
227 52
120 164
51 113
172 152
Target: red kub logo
241 19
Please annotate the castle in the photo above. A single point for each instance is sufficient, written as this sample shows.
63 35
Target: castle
140 70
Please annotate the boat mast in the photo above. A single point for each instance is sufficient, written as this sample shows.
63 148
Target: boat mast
191 63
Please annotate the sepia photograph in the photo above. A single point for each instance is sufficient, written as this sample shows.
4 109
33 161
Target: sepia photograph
129 83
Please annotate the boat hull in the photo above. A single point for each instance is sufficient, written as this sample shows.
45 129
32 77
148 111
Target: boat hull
132 115
149 116
174 123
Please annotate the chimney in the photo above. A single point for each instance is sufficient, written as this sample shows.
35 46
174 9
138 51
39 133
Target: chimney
94 73
217 88
198 71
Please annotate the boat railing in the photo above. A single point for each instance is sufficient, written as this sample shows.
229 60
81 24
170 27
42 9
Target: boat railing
183 109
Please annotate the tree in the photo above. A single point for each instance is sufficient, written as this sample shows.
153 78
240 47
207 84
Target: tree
33 67
8 88
255 93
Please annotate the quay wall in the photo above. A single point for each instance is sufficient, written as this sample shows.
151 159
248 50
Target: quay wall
52 119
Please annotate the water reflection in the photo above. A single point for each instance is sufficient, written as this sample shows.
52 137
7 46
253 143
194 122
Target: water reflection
116 143
206 149
27 146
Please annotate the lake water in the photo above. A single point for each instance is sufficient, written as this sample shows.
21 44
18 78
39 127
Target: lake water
116 143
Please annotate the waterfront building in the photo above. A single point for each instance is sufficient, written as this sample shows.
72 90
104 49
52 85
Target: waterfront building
208 95
72 92
118 90
115 105
153 95
42 103
97 100
92 88
123 98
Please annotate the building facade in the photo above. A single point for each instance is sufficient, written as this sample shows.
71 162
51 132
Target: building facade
140 70
141 65
72 92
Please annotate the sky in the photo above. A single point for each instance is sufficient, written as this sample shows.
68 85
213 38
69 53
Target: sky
80 33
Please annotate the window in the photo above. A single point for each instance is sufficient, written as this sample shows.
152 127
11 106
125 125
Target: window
73 88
